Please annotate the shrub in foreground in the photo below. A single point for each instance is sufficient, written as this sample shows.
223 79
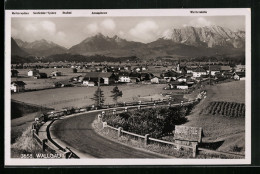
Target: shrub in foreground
157 122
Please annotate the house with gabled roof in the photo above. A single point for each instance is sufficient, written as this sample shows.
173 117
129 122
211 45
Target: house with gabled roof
124 77
32 72
198 72
17 86
214 69
105 78
239 75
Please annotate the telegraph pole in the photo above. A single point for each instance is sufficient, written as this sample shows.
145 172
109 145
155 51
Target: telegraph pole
209 73
98 91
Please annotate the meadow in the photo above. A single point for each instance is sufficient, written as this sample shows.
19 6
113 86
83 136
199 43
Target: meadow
59 98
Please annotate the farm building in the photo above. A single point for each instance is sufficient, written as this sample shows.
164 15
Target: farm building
56 73
190 70
214 69
40 75
155 80
199 71
170 75
124 77
225 68
181 79
178 85
227 74
17 86
88 83
135 77
239 75
64 83
137 69
105 78
14 73
240 68
32 72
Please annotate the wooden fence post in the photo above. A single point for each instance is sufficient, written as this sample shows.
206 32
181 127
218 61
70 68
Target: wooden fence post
104 124
125 109
43 144
33 132
119 131
194 149
99 118
114 112
146 139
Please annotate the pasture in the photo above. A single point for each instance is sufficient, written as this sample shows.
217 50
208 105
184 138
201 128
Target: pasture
59 98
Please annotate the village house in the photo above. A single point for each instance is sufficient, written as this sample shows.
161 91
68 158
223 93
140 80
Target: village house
14 73
239 75
178 85
155 80
144 68
225 69
56 73
124 77
137 69
64 83
213 69
88 83
170 75
32 72
17 86
135 77
198 72
227 74
181 78
104 78
240 68
40 75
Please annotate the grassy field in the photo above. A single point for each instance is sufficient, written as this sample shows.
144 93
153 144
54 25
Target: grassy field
81 96
227 133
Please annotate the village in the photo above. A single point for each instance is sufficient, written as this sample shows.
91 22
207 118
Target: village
180 76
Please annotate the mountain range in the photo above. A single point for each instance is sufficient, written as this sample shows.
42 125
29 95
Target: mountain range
184 42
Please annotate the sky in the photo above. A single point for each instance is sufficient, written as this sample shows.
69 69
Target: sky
72 30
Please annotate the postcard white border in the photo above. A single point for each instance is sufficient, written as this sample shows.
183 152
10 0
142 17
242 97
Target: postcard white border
132 12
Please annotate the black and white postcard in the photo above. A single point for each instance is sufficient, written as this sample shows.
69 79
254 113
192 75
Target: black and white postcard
128 87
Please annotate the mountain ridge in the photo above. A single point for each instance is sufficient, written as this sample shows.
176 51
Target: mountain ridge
185 41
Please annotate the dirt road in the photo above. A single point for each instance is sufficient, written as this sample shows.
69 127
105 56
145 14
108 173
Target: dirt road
78 133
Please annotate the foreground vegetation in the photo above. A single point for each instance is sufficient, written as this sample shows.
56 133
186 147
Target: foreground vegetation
25 145
157 122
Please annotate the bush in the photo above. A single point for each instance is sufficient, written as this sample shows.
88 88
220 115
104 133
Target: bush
154 121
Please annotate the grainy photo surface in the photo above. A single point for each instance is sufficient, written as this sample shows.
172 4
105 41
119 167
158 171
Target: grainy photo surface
116 87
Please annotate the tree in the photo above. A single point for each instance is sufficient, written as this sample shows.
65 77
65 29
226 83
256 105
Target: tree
116 93
99 97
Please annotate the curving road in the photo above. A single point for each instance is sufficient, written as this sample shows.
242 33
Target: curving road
77 132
